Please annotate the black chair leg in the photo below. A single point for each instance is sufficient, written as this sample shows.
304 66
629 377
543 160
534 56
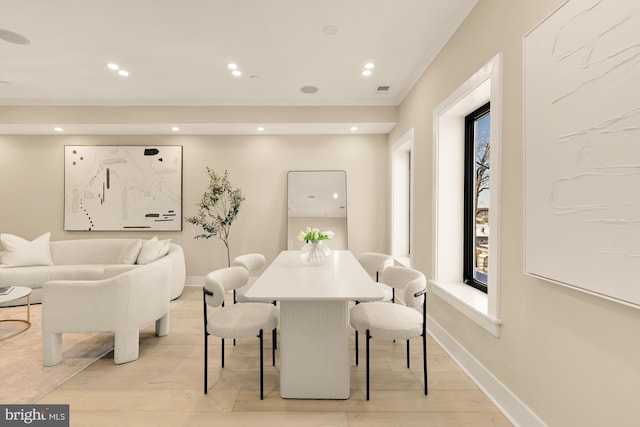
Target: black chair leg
206 339
368 339
275 341
273 347
356 348
206 358
358 302
234 301
424 362
261 367
408 354
222 352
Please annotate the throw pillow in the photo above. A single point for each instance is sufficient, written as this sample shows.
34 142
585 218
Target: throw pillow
153 249
22 253
130 252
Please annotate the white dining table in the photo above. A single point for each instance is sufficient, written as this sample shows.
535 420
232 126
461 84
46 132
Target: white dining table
314 320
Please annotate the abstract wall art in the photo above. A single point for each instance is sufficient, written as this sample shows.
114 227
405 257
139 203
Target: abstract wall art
123 187
582 148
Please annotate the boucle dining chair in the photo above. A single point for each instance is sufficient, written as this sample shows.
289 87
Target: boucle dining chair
241 320
374 264
253 263
398 321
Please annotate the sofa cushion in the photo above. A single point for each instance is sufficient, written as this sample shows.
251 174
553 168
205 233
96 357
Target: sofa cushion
89 250
35 276
130 252
20 252
153 249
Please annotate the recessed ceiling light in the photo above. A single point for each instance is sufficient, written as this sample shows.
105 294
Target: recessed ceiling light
236 73
335 195
175 129
58 129
369 65
232 66
354 128
308 89
366 73
123 73
260 128
113 66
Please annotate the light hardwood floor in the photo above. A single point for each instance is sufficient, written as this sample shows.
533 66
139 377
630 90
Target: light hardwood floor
164 387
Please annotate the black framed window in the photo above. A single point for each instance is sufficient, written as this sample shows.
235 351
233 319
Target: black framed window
476 198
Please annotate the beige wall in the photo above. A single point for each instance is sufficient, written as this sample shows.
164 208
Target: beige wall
573 358
32 180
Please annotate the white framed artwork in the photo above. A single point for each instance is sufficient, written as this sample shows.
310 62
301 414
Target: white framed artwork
123 187
582 148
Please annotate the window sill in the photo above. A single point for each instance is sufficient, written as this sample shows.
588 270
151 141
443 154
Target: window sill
469 301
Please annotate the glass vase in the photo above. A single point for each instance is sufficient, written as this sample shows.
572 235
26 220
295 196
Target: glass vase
314 253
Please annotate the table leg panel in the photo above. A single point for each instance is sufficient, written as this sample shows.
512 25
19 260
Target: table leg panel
314 355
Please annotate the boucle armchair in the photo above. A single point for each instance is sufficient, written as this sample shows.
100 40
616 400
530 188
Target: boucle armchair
121 304
235 321
396 321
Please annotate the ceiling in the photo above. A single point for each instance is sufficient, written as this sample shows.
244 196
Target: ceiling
177 52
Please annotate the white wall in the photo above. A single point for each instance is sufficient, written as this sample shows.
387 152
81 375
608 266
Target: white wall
401 200
572 358
32 185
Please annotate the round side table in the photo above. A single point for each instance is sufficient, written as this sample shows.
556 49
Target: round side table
17 293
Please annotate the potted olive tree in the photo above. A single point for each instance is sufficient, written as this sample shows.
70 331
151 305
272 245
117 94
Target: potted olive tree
218 208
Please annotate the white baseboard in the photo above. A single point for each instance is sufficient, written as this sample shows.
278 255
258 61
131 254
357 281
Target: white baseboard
507 402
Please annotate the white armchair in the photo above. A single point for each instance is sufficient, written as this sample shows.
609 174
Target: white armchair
121 304
400 321
241 320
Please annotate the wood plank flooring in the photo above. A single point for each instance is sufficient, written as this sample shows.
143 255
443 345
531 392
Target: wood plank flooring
164 387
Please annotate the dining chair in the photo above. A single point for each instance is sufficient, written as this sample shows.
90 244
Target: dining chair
374 264
400 321
241 320
253 263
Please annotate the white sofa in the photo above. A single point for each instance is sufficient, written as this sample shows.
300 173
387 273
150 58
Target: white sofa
93 259
121 304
